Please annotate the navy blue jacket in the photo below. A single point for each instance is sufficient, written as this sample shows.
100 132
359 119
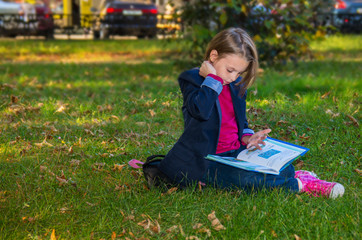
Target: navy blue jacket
185 163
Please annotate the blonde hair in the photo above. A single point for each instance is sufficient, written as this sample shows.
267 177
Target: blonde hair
236 41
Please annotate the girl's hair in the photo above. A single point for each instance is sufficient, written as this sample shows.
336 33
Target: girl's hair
236 41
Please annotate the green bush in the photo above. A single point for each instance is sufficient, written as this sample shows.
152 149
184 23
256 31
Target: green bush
281 29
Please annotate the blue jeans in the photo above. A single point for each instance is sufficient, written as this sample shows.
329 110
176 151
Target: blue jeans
223 176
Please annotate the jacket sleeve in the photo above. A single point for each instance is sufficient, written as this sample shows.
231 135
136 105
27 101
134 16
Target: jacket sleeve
199 100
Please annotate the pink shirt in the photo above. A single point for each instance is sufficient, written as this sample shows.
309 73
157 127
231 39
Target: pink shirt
228 138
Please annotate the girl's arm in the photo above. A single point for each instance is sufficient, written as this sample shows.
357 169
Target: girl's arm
199 100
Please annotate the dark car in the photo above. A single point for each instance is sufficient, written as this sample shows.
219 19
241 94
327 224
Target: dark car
45 21
347 15
124 18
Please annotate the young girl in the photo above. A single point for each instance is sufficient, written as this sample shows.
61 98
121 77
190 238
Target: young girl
215 122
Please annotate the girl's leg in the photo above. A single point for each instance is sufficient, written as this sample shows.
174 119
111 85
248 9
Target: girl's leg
224 176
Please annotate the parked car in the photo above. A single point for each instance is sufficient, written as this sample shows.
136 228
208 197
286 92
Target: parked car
124 18
17 19
347 15
45 21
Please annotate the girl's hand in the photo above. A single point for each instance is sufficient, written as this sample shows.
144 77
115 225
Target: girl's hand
257 138
206 68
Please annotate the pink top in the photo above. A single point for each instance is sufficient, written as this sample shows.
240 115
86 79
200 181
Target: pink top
228 138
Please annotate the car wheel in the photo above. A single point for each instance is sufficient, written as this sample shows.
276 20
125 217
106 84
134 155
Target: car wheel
49 34
152 36
104 33
95 34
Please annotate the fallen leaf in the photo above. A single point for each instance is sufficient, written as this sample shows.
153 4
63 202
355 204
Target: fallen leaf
170 191
115 117
42 144
215 222
172 229
74 162
14 99
156 228
181 230
328 111
64 210
52 236
274 234
325 95
197 226
161 133
141 123
304 137
129 218
297 237
61 109
358 171
61 180
192 238
282 122
151 112
114 235
118 167
355 122
99 165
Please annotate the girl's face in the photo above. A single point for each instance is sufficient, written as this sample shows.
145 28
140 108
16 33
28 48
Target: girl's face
228 67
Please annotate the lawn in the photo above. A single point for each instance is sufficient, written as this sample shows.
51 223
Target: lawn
73 113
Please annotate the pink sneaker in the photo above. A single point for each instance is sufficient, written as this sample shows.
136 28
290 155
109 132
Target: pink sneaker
303 173
318 188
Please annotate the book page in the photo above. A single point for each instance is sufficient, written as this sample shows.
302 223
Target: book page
273 155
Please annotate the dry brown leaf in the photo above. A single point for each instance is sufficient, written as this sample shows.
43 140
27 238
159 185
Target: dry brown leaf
74 162
118 167
197 226
170 191
172 229
274 234
70 150
14 99
297 237
304 137
325 95
61 109
114 235
355 122
181 230
156 228
151 112
282 122
61 180
215 222
329 112
115 117
192 238
64 210
145 224
99 165
205 230
358 171
52 236
44 143
161 133
129 218
141 123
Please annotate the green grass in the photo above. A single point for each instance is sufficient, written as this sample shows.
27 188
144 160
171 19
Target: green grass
66 120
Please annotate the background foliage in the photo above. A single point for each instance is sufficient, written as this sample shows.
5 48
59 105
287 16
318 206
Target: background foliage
282 29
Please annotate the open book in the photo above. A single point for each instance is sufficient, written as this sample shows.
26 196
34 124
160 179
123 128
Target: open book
272 159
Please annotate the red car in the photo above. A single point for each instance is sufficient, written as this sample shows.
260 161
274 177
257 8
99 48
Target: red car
45 21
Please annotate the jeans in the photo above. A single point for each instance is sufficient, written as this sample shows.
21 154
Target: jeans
223 176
